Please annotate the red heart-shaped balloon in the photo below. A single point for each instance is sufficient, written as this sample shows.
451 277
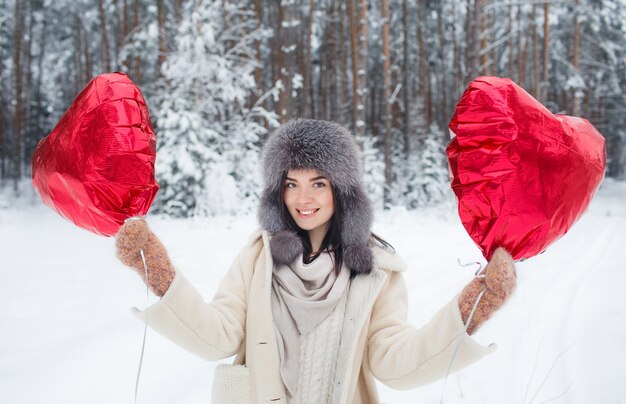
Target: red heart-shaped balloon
96 167
522 175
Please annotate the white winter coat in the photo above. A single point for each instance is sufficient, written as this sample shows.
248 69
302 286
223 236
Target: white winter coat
376 340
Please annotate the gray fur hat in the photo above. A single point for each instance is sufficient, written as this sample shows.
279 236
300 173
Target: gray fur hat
330 149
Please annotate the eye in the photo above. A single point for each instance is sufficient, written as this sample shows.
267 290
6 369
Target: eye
319 184
290 185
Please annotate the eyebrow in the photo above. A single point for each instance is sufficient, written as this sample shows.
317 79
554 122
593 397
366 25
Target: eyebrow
311 180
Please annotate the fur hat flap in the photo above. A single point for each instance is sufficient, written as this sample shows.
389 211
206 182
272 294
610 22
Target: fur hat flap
331 150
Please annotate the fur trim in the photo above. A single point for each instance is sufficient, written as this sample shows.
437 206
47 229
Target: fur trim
286 247
330 149
358 258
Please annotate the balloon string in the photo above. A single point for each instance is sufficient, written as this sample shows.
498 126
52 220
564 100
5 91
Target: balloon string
145 328
478 274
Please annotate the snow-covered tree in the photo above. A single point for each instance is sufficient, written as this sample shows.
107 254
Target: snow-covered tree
434 182
425 180
374 172
208 140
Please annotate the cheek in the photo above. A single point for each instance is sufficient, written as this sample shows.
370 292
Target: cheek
290 198
328 199
287 200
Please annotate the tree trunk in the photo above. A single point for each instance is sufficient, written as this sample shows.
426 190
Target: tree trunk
521 50
88 68
406 130
456 55
362 72
259 88
470 46
386 101
331 60
575 60
386 68
178 10
271 16
546 52
322 89
3 152
79 66
115 40
161 12
443 71
17 76
298 96
344 62
106 58
481 34
424 70
354 57
511 43
375 96
523 65
493 58
29 130
125 24
285 60
358 41
535 34
42 51
307 75
137 62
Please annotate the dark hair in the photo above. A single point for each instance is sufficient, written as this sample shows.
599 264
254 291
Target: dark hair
377 240
332 241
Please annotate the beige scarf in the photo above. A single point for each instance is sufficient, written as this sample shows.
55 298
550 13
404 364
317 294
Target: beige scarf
303 295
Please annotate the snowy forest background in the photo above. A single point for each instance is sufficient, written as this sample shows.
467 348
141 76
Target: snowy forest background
218 75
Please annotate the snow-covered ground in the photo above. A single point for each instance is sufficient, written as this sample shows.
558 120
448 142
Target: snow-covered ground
67 335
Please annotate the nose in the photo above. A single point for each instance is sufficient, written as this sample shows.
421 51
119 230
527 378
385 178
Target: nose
304 195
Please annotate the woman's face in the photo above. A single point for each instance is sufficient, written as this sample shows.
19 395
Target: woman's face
309 199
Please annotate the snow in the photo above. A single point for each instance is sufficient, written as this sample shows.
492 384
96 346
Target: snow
68 335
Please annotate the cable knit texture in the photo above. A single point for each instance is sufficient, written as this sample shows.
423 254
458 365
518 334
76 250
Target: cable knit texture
303 295
319 350
134 236
499 281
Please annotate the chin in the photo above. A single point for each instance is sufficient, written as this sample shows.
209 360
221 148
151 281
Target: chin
306 226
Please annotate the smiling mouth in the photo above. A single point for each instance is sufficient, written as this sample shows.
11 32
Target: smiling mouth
307 213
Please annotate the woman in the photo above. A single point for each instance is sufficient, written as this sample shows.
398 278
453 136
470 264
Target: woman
315 305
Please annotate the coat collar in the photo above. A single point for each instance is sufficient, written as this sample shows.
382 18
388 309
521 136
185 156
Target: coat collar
386 259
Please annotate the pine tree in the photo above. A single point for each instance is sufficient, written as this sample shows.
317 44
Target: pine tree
208 150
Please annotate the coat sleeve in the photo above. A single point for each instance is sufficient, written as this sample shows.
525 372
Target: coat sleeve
404 357
212 330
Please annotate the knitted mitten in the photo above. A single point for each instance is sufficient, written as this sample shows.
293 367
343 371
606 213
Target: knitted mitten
499 282
134 236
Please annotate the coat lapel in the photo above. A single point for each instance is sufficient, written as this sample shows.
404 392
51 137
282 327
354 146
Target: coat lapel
364 290
261 344
361 297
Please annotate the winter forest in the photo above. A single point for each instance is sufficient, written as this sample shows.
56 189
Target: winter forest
218 75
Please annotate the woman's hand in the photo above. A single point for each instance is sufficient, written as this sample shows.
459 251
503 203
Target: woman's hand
134 236
498 283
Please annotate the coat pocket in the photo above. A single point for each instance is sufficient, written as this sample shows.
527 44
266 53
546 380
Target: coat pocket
231 384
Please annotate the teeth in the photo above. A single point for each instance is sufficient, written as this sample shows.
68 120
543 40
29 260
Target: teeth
307 212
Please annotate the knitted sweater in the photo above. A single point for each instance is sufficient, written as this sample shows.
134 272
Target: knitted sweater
319 350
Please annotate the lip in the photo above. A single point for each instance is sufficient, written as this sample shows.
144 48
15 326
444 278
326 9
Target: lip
307 216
